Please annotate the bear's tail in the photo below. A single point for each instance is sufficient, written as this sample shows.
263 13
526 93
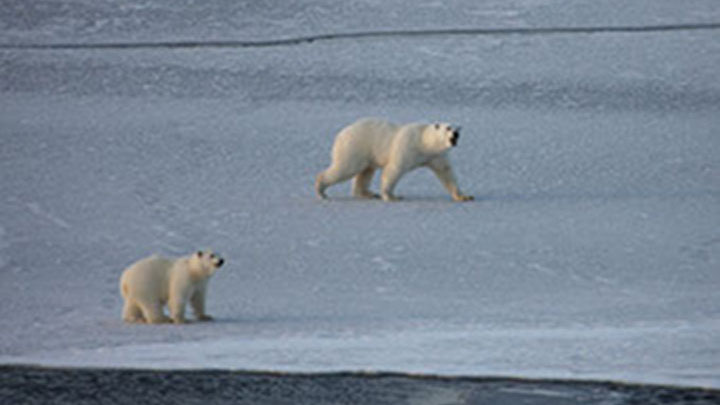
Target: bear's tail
123 289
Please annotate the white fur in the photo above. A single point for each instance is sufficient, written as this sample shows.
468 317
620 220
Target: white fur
370 144
151 283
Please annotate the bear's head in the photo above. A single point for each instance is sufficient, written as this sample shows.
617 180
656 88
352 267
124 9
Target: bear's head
440 137
205 263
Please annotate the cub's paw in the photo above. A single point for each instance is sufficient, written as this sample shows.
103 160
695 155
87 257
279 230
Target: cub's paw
391 198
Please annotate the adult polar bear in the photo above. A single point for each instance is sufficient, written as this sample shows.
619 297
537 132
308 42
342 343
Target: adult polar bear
369 144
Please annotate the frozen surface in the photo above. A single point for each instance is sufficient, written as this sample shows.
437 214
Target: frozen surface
592 250
58 21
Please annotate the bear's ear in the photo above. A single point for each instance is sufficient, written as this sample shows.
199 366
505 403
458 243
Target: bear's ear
437 126
199 253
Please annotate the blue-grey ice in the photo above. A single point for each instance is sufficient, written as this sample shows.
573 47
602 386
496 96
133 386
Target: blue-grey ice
592 250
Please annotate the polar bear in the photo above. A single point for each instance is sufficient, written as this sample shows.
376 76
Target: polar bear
151 283
369 144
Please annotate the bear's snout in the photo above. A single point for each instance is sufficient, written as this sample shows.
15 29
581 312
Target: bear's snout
454 138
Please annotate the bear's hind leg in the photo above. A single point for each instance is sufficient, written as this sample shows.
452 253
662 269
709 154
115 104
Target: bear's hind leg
333 175
361 184
153 312
132 312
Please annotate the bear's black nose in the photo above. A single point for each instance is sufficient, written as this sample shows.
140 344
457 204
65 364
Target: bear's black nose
454 138
220 262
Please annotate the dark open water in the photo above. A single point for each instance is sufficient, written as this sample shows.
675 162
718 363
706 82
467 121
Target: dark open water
34 385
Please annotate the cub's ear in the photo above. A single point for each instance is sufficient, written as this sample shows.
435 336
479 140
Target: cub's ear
437 126
199 253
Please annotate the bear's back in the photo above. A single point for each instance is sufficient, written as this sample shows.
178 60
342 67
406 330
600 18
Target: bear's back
148 275
367 138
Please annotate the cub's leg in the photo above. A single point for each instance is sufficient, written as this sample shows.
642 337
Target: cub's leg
177 308
153 312
197 301
132 312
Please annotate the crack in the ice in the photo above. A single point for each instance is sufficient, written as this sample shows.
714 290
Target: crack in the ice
299 40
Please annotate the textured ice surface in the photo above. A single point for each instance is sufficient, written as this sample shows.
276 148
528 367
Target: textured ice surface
591 250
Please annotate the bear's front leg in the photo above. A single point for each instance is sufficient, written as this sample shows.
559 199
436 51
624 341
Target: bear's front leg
177 310
442 169
178 319
198 304
390 176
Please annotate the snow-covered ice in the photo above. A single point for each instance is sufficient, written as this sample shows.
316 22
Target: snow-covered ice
592 249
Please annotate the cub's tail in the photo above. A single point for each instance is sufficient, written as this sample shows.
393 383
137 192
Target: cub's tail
123 287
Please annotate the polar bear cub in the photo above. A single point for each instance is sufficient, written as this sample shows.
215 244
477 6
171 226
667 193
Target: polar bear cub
370 144
151 283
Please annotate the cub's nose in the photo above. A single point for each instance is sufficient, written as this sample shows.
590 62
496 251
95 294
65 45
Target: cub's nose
220 262
454 138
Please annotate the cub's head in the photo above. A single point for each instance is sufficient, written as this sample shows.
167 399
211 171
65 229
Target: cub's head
443 136
205 263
